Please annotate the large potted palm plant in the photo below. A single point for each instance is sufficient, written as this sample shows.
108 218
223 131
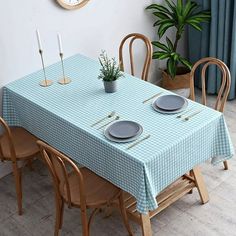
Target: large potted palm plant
175 15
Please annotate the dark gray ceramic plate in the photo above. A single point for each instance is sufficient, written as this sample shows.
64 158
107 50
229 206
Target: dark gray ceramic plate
170 102
169 112
120 140
125 129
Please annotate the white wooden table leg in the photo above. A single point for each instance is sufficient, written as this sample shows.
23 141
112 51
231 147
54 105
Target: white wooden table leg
200 185
146 225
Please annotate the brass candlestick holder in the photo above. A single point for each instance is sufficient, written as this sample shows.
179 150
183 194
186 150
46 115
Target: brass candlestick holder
65 80
45 82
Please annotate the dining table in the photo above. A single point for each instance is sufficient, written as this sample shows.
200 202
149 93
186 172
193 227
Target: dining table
64 117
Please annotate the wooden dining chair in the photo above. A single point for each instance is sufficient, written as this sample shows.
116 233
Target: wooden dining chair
17 144
80 188
132 37
224 87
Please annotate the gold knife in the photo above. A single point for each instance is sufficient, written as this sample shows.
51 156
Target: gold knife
138 142
184 113
156 95
192 115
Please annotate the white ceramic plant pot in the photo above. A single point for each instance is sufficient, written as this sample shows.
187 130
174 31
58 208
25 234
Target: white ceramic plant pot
110 86
184 92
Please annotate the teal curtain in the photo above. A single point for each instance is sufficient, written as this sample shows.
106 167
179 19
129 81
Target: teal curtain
218 39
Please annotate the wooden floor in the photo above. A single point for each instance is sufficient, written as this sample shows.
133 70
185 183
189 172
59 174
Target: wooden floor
185 217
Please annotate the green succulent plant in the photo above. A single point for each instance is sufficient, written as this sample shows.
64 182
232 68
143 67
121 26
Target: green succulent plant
110 70
175 15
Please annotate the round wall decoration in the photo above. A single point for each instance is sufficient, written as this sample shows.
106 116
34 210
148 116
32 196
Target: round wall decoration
72 4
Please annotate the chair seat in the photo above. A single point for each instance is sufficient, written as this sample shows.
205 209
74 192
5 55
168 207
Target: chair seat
97 190
24 143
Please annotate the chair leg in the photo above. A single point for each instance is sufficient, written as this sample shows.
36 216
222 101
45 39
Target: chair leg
191 174
17 177
91 218
84 222
62 213
30 164
226 165
58 222
124 214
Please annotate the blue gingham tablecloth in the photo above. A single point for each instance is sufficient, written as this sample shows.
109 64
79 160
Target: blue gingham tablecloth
62 116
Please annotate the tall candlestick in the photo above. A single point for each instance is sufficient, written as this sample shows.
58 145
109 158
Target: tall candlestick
45 82
65 80
59 43
39 40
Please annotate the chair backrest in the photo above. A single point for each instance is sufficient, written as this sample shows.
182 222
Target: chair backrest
60 167
148 57
7 132
225 81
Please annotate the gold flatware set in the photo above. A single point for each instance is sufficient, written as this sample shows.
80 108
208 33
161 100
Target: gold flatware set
185 116
113 118
188 117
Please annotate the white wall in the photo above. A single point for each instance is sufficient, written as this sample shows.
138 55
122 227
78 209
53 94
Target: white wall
101 24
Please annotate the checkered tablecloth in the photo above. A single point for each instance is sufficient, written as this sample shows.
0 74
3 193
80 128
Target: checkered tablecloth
62 116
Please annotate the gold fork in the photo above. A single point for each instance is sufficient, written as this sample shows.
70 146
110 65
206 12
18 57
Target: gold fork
116 118
107 117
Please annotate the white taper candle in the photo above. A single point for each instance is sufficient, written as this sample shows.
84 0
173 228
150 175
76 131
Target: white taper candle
39 40
59 43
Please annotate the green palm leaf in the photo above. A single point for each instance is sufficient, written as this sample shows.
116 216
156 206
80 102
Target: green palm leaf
170 44
162 22
175 56
161 46
185 62
179 7
164 27
159 7
171 5
201 17
161 55
194 7
161 15
195 25
171 67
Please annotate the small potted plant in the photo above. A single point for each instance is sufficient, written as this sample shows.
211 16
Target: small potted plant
176 15
110 72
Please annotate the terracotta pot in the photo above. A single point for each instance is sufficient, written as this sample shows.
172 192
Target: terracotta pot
180 81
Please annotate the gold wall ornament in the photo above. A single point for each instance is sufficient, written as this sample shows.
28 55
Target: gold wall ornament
72 4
